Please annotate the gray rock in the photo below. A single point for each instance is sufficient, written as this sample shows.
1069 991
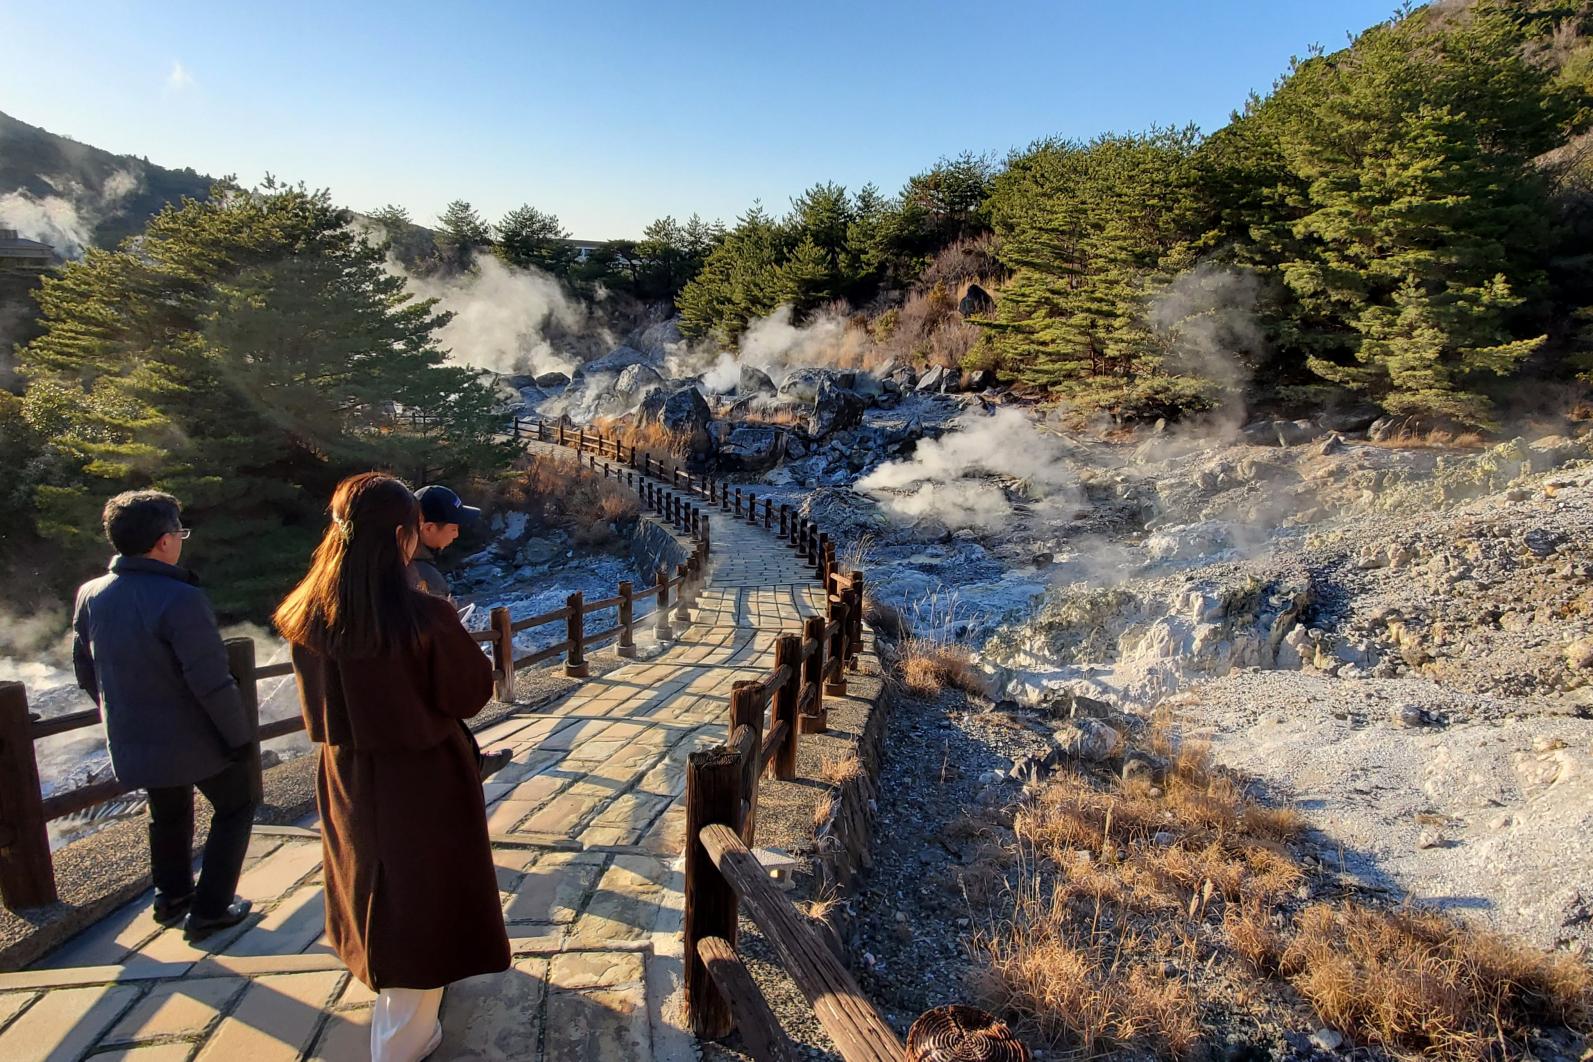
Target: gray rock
652 405
803 385
1067 704
633 379
615 361
975 302
686 412
754 381
834 409
1325 1039
1088 739
934 381
749 448
795 447
552 379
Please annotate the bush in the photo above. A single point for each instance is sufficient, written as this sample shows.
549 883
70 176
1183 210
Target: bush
556 493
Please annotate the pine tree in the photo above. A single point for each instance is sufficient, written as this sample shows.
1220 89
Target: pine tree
244 353
461 232
531 239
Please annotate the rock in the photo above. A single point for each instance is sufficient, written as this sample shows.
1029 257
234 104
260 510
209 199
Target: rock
538 551
615 361
552 379
750 448
933 381
1325 1039
686 412
834 409
1068 704
1140 766
754 381
657 339
633 379
975 302
1333 444
1163 839
795 447
652 405
1087 739
803 384
1579 654
1280 432
980 380
1542 543
1409 715
1430 837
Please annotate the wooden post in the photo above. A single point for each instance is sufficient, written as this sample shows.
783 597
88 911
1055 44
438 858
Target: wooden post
627 621
752 509
837 652
738 501
785 513
827 567
240 661
787 653
856 615
561 433
27 874
713 797
661 622
575 631
707 539
747 710
817 558
712 491
682 608
817 720
768 513
724 498
503 653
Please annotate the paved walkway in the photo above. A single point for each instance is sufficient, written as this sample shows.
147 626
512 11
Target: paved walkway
587 826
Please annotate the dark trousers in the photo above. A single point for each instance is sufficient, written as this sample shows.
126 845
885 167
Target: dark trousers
171 839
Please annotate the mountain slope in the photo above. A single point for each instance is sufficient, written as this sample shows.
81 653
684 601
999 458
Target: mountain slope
73 196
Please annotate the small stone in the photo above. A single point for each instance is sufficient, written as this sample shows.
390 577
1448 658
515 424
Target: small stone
1410 715
1579 654
1325 1039
1163 839
1430 838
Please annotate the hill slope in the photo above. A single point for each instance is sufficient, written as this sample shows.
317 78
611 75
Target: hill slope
73 196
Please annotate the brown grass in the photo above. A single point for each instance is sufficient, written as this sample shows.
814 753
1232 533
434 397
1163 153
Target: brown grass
649 437
839 770
823 811
781 416
556 492
927 667
1120 899
1415 981
1435 439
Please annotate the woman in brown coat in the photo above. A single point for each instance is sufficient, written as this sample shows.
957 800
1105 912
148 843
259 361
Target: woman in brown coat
384 674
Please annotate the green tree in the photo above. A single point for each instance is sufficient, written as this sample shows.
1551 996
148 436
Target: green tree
531 239
740 280
245 353
461 232
1418 219
411 244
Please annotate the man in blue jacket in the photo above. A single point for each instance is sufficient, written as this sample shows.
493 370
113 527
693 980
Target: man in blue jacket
147 649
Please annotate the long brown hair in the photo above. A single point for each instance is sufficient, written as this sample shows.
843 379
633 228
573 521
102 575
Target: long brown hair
355 600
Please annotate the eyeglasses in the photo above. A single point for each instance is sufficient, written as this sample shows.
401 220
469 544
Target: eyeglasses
182 533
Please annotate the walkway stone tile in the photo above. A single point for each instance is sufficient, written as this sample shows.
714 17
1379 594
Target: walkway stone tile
598 1010
177 1052
11 1004
275 1019
346 1037
280 871
290 927
177 1008
554 887
65 1023
496 1017
624 906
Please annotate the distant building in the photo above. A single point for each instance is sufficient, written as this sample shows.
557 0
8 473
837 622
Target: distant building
24 256
583 248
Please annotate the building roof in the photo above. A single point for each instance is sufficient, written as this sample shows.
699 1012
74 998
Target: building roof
14 247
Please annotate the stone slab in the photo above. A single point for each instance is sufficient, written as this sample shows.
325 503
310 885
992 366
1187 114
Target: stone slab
65 1023
496 1016
275 1020
185 1007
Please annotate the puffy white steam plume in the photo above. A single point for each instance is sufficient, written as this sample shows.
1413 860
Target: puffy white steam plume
506 319
963 479
67 219
1208 315
774 344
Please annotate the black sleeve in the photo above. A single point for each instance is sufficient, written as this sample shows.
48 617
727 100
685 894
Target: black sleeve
196 641
82 656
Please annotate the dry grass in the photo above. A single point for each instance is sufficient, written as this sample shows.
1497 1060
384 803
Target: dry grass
839 770
1435 439
556 492
927 667
649 437
823 811
1415 981
1124 907
777 416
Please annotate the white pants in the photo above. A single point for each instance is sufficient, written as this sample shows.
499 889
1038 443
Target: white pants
404 1026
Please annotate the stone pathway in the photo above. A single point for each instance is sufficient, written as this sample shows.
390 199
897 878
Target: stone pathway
587 826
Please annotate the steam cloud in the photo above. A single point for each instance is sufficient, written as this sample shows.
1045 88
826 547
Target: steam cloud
1208 317
66 220
955 479
506 319
774 344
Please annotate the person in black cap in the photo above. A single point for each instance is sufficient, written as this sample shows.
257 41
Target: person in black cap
441 514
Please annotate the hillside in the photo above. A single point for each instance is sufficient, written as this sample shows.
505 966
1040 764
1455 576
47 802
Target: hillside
72 195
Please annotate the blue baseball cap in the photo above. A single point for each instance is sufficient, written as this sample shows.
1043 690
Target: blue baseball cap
439 505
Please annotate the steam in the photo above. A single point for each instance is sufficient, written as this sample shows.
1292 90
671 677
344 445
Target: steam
67 219
776 345
958 478
1207 317
506 319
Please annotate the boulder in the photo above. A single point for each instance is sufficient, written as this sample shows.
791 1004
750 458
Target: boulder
615 361
686 412
538 551
803 384
518 380
750 448
1067 704
1349 420
795 447
1087 739
754 381
651 406
634 379
834 409
656 339
933 381
975 302
1281 432
552 379
980 380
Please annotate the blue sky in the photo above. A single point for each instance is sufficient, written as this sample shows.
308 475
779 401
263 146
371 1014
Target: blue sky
612 114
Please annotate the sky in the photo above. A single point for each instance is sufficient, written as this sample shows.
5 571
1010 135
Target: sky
612 114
